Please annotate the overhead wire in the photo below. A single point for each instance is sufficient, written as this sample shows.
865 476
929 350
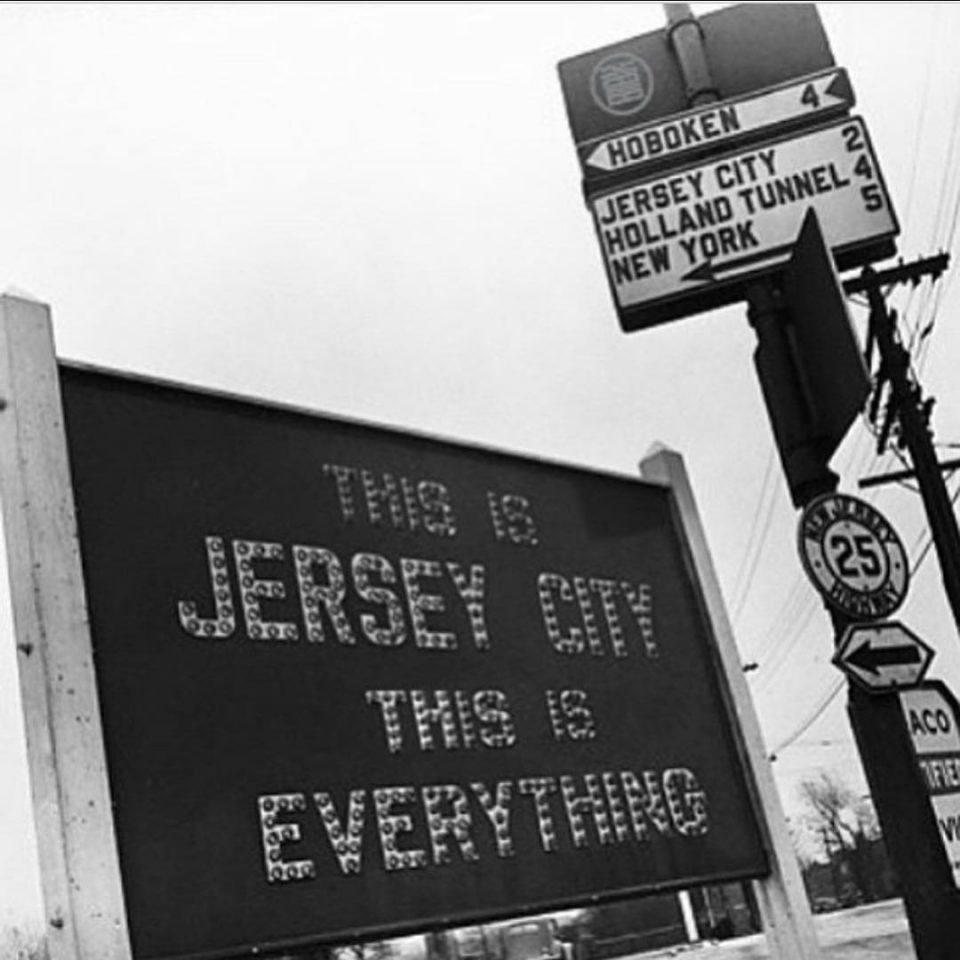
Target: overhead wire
759 531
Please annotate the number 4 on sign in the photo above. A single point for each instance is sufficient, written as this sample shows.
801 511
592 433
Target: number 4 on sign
830 91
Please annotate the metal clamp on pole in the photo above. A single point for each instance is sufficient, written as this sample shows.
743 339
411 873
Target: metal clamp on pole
686 40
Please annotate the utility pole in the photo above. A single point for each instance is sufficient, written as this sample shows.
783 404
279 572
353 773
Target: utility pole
912 413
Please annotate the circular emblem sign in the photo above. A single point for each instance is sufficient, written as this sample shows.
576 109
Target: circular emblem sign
621 84
853 556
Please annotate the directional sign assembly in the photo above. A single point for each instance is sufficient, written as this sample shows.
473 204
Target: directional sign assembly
883 656
690 240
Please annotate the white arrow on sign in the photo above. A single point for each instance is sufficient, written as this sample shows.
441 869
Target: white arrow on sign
883 656
737 216
722 122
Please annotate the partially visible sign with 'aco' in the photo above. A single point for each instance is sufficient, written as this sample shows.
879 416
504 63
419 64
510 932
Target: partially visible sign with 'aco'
931 714
356 682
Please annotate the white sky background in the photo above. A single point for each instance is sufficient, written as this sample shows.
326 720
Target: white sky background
375 210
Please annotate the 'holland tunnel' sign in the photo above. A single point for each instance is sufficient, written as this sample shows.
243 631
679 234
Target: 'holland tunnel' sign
355 681
688 240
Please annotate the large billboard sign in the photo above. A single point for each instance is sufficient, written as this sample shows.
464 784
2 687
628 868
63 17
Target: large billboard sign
689 240
356 682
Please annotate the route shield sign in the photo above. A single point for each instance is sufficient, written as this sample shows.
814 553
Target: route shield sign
883 656
688 241
931 714
853 556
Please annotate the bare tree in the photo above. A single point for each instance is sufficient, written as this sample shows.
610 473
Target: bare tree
844 825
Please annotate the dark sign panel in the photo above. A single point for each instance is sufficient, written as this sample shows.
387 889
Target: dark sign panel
748 47
356 682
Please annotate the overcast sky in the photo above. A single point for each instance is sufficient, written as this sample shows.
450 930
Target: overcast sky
374 210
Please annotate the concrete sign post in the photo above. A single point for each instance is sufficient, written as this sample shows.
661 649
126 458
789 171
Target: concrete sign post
324 681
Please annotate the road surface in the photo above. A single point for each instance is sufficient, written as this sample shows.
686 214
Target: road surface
874 932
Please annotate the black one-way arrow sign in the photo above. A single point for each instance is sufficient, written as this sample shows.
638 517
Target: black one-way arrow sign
883 656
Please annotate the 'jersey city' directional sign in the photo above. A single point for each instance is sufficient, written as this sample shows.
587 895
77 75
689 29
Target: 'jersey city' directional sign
718 124
883 656
687 241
